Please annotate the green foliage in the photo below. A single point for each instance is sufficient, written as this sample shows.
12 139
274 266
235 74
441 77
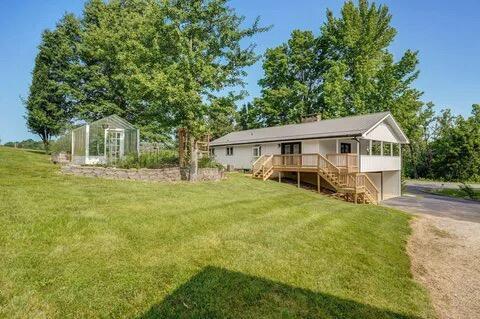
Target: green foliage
52 96
26 144
63 144
158 64
248 117
469 191
208 162
157 159
456 147
464 191
78 247
290 86
347 69
222 116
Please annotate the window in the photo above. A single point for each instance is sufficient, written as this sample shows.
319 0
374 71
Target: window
345 148
396 149
229 151
376 148
257 151
387 147
212 151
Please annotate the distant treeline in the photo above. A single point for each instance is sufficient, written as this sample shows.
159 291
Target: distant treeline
27 144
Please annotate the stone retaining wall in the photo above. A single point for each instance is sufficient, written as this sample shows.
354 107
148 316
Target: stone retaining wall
169 174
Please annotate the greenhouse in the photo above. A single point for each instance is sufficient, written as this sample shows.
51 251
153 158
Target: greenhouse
105 141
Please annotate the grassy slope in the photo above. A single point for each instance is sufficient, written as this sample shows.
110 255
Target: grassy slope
455 192
84 247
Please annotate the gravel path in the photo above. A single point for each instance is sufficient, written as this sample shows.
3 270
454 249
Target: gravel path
444 248
445 256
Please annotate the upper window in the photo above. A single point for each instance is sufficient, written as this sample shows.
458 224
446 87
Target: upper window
387 149
376 148
257 151
229 151
396 149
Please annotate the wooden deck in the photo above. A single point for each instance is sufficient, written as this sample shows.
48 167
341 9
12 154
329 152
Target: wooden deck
339 170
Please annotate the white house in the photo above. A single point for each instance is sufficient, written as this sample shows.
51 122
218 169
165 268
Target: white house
358 157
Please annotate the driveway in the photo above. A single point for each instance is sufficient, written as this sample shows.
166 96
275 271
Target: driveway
418 200
444 249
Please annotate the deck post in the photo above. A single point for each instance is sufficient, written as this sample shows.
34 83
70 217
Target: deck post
73 146
298 179
318 183
279 176
355 196
358 156
87 143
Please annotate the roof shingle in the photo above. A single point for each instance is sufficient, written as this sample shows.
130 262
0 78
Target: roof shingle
345 126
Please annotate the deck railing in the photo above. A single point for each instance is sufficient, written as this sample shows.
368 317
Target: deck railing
344 168
346 161
314 161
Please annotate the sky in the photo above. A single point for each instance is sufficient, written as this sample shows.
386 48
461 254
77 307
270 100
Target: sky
444 32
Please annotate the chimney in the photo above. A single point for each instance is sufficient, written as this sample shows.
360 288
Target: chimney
312 118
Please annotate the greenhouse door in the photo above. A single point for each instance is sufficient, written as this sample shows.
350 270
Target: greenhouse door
114 145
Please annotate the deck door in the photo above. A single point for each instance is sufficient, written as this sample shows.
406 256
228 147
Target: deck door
291 149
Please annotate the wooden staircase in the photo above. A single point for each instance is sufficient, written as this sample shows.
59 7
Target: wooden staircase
350 186
263 167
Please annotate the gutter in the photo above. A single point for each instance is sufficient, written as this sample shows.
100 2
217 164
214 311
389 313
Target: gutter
353 136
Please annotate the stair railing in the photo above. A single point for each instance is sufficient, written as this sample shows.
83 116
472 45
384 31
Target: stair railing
257 165
267 167
328 167
370 187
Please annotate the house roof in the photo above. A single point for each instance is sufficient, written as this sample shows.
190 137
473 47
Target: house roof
350 126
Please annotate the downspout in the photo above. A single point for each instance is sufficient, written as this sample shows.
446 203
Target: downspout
358 154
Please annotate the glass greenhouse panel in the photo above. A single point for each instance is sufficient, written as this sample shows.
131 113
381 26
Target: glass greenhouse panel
105 141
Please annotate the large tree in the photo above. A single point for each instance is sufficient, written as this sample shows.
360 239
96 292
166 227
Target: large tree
159 64
456 146
51 100
290 86
346 70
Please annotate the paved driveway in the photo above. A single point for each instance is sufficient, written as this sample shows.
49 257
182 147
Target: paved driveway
417 200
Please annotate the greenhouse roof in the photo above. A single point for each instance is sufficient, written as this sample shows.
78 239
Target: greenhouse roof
112 120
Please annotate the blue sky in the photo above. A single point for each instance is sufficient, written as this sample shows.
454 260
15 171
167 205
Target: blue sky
444 32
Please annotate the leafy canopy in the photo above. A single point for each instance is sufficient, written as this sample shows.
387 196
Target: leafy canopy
159 64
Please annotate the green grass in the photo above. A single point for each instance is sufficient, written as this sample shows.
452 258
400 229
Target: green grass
452 192
73 247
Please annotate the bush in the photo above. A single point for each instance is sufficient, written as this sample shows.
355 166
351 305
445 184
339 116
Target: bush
208 162
27 144
63 144
468 191
158 159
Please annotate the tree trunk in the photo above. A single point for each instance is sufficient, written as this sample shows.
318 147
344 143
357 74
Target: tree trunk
414 161
46 141
193 160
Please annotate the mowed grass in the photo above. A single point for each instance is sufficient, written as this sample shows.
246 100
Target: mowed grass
73 247
456 192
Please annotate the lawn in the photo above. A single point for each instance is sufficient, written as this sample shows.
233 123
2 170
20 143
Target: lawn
456 192
74 247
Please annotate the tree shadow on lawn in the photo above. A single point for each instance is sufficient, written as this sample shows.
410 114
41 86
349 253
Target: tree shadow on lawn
220 293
